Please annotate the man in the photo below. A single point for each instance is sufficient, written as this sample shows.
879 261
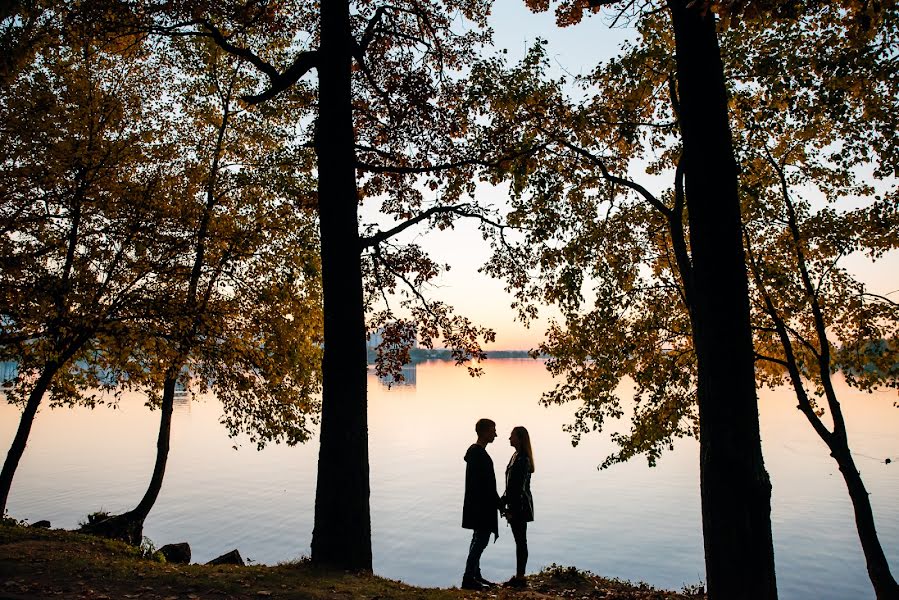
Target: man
481 503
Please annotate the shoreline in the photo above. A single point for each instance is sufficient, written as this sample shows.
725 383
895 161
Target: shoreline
53 563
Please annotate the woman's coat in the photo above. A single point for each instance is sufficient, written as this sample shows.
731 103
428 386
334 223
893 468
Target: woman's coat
518 502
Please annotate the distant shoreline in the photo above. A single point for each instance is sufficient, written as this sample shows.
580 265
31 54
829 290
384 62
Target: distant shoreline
419 355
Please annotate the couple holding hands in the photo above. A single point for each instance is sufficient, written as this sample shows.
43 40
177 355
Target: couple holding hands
482 503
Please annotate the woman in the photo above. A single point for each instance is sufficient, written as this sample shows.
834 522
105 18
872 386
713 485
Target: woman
517 502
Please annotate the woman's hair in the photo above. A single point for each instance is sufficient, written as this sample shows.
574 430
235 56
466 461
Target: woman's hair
524 443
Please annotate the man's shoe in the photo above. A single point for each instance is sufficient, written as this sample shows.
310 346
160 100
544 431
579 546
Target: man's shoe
470 583
485 582
516 582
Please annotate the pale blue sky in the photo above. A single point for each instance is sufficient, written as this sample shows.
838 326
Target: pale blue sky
574 50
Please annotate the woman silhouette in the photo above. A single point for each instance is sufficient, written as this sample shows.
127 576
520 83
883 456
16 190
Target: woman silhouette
517 503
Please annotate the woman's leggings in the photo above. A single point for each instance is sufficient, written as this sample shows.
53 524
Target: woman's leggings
520 533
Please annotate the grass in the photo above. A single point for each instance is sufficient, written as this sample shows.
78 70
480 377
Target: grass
41 564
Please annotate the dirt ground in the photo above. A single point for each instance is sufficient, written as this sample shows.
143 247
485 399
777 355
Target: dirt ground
43 564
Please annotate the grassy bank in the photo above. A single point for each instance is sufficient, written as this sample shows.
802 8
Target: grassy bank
42 564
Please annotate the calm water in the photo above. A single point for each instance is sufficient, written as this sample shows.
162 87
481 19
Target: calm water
629 521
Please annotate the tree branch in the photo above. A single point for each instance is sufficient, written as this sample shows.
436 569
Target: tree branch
655 202
412 287
880 297
305 62
678 241
777 361
278 81
369 33
222 42
791 364
368 242
465 162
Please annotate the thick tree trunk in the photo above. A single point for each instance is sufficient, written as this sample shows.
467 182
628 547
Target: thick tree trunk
17 449
342 531
736 490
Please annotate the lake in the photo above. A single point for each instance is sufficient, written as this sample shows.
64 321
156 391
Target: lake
629 521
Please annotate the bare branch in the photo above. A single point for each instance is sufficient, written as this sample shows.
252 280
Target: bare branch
412 287
279 81
222 41
883 298
620 12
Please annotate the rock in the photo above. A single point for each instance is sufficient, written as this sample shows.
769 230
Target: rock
41 524
117 527
230 558
176 553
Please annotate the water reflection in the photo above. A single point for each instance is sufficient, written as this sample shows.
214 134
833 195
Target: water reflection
182 401
628 521
8 372
410 377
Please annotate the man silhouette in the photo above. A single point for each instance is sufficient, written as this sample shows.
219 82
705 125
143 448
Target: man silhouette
481 503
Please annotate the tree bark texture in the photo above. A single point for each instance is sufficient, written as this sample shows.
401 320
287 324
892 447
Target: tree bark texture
736 490
342 533
17 449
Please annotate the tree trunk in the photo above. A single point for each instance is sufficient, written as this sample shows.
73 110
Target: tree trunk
736 490
878 568
885 586
836 441
129 527
17 449
143 508
342 532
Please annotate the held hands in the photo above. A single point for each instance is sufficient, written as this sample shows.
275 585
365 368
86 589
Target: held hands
505 510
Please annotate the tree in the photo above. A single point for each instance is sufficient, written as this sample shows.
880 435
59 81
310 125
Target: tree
388 82
240 311
628 244
79 181
813 318
735 487
23 28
